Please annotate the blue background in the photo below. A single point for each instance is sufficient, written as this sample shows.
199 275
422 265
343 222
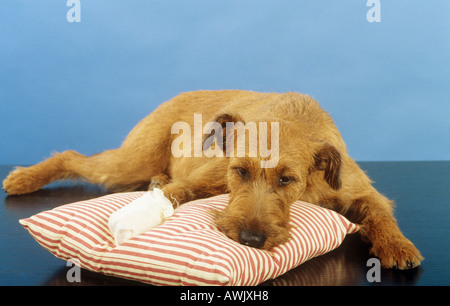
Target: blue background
84 85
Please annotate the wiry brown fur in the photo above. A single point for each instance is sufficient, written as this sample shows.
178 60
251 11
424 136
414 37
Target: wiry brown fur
312 155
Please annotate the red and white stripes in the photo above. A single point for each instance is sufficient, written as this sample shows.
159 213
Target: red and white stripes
187 249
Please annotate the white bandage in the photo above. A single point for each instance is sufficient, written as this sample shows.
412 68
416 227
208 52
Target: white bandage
140 215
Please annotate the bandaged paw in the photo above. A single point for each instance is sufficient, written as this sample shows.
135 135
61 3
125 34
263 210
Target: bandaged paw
139 216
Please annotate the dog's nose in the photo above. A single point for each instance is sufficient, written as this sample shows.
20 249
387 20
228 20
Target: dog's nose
252 238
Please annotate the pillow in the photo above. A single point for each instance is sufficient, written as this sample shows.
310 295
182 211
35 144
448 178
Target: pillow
187 249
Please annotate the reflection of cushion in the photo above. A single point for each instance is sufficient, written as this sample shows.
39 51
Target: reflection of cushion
187 249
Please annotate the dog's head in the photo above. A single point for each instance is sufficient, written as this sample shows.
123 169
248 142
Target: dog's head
260 197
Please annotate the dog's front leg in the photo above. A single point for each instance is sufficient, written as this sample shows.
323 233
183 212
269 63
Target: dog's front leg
379 226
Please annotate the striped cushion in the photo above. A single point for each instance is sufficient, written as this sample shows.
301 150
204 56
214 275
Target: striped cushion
187 249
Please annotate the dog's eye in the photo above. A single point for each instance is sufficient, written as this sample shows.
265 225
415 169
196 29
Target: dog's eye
243 173
285 180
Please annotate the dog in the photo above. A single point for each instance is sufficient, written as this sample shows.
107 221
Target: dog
309 163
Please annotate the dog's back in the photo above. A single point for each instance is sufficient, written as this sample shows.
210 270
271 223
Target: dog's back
147 150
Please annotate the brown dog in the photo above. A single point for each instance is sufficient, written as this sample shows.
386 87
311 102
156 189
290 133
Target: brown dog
307 160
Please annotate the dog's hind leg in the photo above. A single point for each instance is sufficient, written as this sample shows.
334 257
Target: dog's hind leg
28 179
115 169
144 154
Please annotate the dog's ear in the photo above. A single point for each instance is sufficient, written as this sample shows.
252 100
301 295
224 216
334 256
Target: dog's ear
222 120
328 159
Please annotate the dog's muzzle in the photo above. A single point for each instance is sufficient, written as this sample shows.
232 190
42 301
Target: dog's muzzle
252 239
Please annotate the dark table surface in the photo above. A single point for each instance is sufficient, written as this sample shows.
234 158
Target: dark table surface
421 191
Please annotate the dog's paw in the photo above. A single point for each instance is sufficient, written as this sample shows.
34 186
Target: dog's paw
139 216
399 254
158 181
154 184
20 181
